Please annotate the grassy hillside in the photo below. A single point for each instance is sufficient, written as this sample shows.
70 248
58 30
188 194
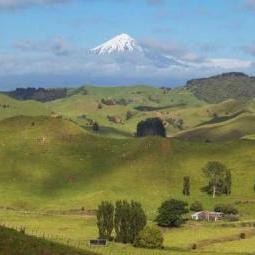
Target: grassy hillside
16 243
237 127
52 164
10 107
222 87
82 106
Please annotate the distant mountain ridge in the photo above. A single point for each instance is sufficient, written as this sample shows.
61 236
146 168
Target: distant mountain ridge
215 89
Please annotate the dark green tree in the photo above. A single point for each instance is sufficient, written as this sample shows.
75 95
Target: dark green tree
228 182
105 214
138 220
95 126
186 186
122 221
171 212
129 220
151 127
215 172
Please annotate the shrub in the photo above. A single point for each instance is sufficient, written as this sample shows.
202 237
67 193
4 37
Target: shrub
95 127
149 237
170 213
196 206
242 236
194 246
226 209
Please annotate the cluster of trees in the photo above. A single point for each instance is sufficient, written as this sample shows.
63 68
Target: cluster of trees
121 101
219 180
126 219
39 94
151 127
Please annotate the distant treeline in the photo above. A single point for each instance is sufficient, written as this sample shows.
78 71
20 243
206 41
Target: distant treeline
39 94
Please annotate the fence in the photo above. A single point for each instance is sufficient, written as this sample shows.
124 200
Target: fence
83 243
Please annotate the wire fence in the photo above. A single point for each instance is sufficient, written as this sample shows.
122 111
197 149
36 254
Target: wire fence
83 244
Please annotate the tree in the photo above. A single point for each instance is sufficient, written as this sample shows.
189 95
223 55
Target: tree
149 237
196 206
186 186
138 220
215 171
121 221
170 213
151 127
95 126
105 214
228 182
129 220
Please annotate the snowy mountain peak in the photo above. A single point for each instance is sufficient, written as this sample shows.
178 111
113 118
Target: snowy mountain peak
119 44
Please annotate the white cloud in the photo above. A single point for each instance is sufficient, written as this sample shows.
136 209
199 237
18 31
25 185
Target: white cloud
14 4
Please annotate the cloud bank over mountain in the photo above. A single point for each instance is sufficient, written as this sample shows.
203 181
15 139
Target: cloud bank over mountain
121 60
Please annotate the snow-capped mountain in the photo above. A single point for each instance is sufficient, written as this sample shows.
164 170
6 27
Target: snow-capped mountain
123 49
122 43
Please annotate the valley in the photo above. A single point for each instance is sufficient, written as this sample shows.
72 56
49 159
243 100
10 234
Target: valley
56 168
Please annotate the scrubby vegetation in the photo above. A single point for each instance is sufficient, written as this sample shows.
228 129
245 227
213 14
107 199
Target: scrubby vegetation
149 237
221 87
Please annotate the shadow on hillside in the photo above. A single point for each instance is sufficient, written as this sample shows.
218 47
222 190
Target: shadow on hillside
109 132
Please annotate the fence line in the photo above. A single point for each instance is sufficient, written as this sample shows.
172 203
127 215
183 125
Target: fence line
77 243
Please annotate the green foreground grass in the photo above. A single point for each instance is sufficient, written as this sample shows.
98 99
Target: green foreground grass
14 242
75 231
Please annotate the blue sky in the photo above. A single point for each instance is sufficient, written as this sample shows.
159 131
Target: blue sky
40 32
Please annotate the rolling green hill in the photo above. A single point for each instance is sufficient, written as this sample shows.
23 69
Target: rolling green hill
10 107
53 164
237 127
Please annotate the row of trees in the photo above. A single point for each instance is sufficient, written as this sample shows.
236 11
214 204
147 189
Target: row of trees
219 180
126 219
